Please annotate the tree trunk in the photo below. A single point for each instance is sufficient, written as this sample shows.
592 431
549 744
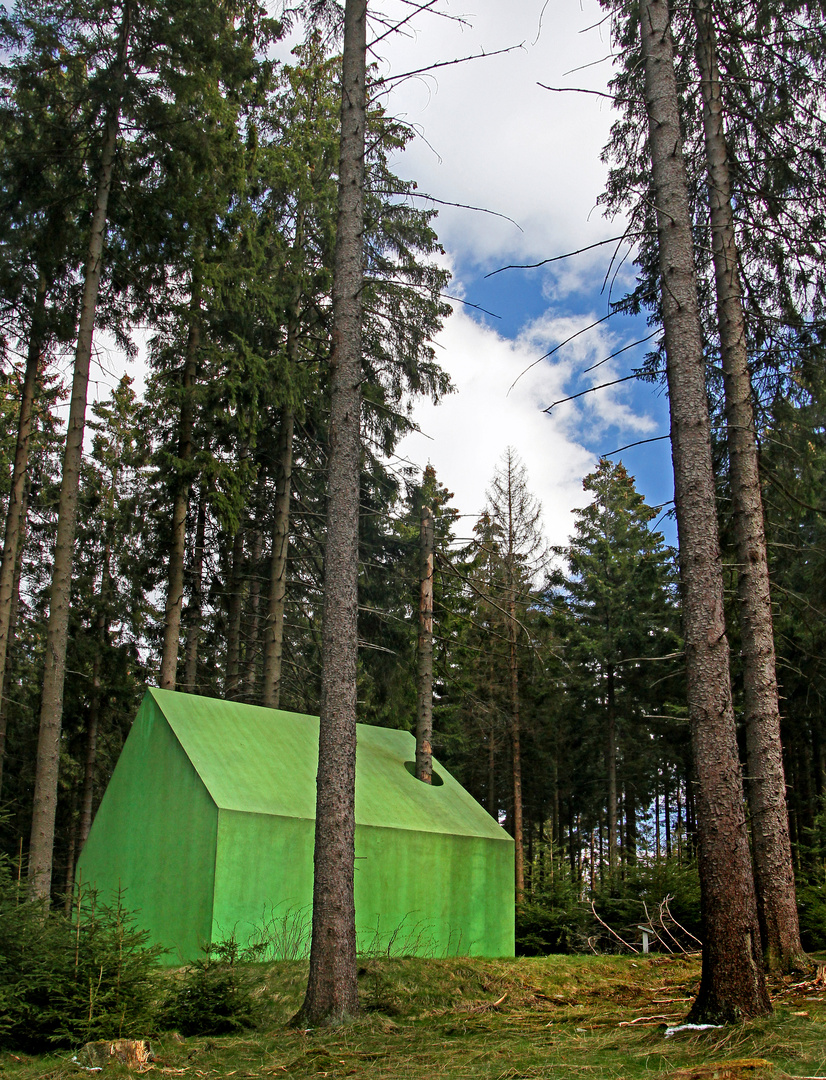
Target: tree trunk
250 664
51 710
630 824
236 605
274 632
332 988
516 754
15 517
611 769
196 600
766 787
13 610
92 725
732 983
177 551
424 715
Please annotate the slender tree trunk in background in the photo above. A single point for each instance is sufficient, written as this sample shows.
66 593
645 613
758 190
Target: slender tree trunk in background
236 605
732 984
332 988
177 550
13 610
196 599
611 769
51 709
657 843
666 815
424 713
766 787
71 854
516 754
92 726
15 516
274 632
254 607
630 824
492 807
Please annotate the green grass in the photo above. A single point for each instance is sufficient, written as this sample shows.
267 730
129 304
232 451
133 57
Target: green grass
537 1019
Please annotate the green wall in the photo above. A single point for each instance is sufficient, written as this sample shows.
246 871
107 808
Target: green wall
422 893
154 837
431 894
264 876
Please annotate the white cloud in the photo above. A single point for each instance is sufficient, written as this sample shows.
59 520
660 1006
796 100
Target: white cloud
495 138
465 436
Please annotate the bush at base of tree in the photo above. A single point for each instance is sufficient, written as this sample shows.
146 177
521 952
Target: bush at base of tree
65 982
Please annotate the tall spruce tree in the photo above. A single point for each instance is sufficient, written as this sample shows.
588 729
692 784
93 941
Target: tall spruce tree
616 612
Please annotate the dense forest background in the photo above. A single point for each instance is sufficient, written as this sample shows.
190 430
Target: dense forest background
559 696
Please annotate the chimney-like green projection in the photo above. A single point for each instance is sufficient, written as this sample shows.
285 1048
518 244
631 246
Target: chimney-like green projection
207 828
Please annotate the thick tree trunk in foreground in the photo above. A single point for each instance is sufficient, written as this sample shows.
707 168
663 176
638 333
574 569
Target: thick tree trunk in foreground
766 785
274 630
732 983
51 709
424 714
177 551
15 519
332 989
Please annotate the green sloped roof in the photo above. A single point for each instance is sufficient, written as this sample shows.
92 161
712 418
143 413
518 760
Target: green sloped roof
264 761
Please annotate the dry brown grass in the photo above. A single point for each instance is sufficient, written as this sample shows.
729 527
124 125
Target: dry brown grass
530 1019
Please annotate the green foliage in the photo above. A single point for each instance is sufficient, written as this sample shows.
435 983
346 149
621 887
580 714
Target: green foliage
210 996
556 921
66 982
663 895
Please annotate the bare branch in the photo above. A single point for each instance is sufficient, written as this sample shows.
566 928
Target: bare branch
446 63
639 442
556 258
556 348
602 386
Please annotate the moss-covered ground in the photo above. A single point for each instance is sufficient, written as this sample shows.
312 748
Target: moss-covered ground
556 1017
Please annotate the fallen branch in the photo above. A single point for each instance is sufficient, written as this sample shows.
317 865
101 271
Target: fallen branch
610 931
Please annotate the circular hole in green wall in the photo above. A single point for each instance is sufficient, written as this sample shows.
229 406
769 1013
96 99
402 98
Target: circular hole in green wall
411 768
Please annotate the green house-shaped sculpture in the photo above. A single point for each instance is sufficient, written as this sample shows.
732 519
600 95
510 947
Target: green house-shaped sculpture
207 827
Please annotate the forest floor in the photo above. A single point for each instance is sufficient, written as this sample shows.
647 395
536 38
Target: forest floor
581 1018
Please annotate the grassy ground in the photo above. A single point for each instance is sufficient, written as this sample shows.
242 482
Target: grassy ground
572 1017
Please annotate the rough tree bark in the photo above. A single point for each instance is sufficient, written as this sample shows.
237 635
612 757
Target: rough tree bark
177 550
424 712
732 983
766 785
51 710
332 988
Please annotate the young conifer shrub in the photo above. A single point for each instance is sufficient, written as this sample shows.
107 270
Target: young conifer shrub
65 982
